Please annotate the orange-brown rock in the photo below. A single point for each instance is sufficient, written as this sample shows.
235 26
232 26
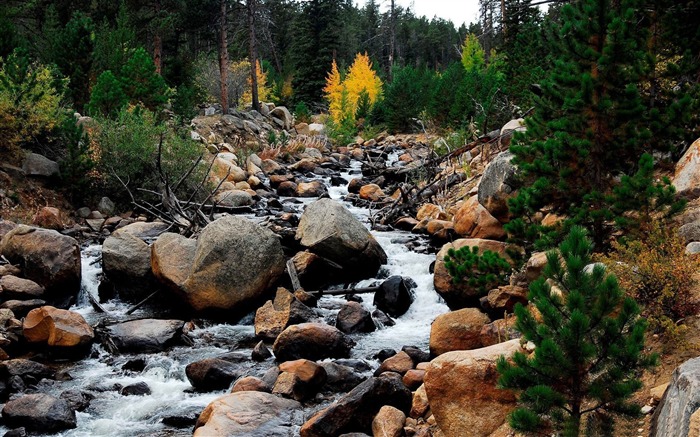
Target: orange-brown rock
307 371
399 363
461 386
420 404
430 211
371 192
49 218
687 176
57 328
250 383
388 422
274 316
311 189
473 220
435 226
505 298
499 331
172 256
413 378
457 330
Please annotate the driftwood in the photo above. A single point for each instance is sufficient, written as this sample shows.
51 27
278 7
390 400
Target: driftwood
142 303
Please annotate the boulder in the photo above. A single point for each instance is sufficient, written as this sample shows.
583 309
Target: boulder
248 414
687 176
24 368
260 352
46 257
430 211
313 341
271 167
413 378
274 316
341 378
126 261
57 328
234 198
305 165
498 184
474 221
250 383
20 308
388 422
287 189
106 206
18 288
690 232
461 386
223 169
503 299
457 330
49 218
461 295
145 335
354 318
317 129
314 272
372 192
40 413
212 374
39 165
356 410
281 113
172 256
680 401
136 389
498 331
328 229
399 363
311 189
300 379
235 262
394 297
146 231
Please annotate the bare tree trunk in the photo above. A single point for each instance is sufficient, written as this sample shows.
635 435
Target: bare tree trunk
392 40
223 55
157 41
253 54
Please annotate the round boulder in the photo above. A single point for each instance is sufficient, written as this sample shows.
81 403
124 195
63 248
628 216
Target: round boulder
57 328
212 374
354 318
39 412
313 341
457 330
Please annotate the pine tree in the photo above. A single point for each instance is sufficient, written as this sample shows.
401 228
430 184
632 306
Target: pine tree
589 345
107 97
141 83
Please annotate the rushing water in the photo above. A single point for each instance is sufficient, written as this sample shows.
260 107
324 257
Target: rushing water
111 414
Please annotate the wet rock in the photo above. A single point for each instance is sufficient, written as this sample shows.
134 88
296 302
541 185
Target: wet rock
260 352
77 400
126 261
17 432
462 390
304 165
313 341
314 272
135 365
381 319
39 165
416 354
25 368
355 410
311 189
354 318
271 167
172 257
341 378
39 412
136 389
328 229
399 363
48 258
212 374
234 198
372 192
18 288
312 375
253 414
180 421
287 189
48 218
274 316
251 383
145 335
498 184
57 328
388 422
474 221
457 330
384 354
394 297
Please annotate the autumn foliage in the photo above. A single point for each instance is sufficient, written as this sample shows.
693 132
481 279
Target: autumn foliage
343 96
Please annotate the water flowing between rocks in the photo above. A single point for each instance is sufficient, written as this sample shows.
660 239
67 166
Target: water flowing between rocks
112 414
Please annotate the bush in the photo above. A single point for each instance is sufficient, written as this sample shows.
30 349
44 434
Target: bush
77 163
481 272
657 272
302 113
107 97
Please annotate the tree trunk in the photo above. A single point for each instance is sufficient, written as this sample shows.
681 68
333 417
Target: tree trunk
158 52
392 41
223 55
253 54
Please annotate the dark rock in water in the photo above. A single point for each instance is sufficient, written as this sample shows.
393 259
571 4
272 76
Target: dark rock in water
416 354
356 410
17 432
145 335
16 384
212 374
337 181
382 318
260 352
341 378
22 307
287 189
39 412
137 389
357 365
135 365
76 399
394 297
183 421
313 341
354 318
25 368
353 298
384 354
270 376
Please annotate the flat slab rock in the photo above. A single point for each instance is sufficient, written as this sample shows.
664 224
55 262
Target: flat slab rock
146 335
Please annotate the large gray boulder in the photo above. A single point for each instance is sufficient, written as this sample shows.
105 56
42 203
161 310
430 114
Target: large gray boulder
39 165
680 402
39 412
281 113
329 230
126 261
249 414
498 184
47 257
687 176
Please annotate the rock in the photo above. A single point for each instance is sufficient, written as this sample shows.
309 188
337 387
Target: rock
234 198
328 229
399 363
372 192
260 352
223 169
57 328
505 298
39 165
287 189
413 378
388 422
212 374
313 341
457 330
6 226
687 176
311 189
274 316
83 212
317 129
283 114
302 129
498 331
136 389
693 248
145 230
172 256
314 272
419 405
461 295
18 288
106 206
341 378
679 402
474 221
24 368
506 134
300 379
271 167
356 410
95 224
394 297
354 318
235 262
251 414
250 383
657 393
430 211
305 165
461 386
126 261
498 184
48 258
20 308
77 400
535 266
39 412
145 335
49 218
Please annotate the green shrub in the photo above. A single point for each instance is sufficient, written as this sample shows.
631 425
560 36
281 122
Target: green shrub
107 97
481 272
77 163
302 113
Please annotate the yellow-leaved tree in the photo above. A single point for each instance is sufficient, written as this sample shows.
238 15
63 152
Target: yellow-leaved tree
265 92
333 92
344 95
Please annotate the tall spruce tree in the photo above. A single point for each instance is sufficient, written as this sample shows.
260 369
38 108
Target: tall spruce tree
590 124
589 346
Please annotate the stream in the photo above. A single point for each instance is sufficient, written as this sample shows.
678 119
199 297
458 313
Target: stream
111 414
